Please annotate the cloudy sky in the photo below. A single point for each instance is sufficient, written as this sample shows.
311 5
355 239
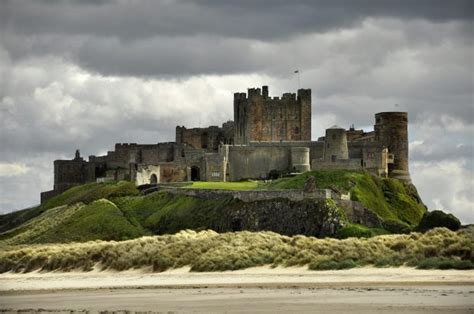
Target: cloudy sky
88 74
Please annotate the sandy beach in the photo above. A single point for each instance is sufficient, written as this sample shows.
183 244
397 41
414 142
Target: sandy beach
262 289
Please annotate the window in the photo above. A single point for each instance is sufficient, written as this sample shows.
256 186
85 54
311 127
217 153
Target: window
333 158
215 174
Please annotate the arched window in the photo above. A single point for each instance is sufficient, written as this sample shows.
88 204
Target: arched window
153 179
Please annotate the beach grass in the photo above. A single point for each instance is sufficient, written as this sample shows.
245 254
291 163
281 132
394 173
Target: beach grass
210 251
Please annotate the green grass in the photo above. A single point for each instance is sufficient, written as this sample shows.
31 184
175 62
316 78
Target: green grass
167 213
210 251
15 219
341 180
244 185
100 219
359 231
390 199
90 192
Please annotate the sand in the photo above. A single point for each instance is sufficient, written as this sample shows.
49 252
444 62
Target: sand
262 289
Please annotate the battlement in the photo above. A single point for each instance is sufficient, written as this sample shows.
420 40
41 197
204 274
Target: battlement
264 93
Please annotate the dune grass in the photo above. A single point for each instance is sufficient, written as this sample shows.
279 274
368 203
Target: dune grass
210 251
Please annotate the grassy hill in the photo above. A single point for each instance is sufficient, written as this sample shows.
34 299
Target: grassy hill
117 211
390 199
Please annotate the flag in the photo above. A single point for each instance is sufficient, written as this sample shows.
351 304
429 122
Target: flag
297 71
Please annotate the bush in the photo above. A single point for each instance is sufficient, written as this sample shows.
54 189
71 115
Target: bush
275 174
332 265
438 218
445 263
358 231
395 226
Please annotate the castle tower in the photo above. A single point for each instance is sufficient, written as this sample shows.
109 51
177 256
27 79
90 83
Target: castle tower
335 144
391 131
304 100
261 118
300 159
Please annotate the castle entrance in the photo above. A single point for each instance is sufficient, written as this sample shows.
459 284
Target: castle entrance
195 174
153 179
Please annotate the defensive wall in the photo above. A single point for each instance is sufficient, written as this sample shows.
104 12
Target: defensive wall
249 195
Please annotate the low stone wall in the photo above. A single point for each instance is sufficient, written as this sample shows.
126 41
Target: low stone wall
48 194
251 195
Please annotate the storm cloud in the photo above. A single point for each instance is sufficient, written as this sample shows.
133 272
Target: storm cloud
87 74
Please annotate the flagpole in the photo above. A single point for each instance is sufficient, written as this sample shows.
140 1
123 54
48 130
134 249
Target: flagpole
298 72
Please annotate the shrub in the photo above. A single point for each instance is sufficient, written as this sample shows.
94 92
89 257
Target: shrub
274 174
445 263
395 226
358 231
332 265
438 218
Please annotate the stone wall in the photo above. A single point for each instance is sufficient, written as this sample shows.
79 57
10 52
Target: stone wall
145 172
206 138
250 195
346 164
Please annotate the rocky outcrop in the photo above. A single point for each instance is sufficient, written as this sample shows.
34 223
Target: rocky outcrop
311 217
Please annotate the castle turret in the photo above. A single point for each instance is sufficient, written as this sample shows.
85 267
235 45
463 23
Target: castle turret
391 131
335 144
304 100
300 159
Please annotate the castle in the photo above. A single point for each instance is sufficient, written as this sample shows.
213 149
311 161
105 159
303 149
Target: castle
267 134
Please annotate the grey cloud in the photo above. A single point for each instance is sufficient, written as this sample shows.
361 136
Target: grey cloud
244 19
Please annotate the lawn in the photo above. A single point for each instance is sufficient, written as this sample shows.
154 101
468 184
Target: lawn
244 185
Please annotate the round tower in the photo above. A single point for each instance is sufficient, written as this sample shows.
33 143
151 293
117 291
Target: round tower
300 159
391 131
335 144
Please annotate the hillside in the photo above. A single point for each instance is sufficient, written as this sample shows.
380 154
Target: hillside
117 211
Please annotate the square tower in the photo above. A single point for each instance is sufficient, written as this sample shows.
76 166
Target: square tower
261 118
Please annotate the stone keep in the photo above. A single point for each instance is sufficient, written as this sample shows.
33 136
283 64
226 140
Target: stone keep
261 118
